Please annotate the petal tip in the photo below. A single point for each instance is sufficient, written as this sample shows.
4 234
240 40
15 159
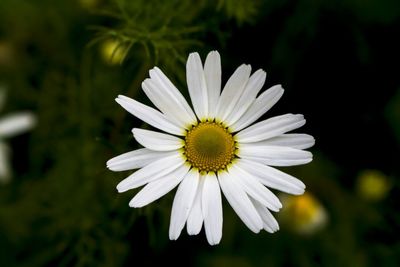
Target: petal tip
109 162
213 243
135 131
193 231
121 187
123 97
256 231
299 192
193 55
214 53
134 204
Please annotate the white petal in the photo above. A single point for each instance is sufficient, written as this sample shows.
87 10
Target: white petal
195 219
183 202
162 102
173 109
269 222
158 188
275 155
151 172
250 92
240 202
169 88
149 115
270 128
261 105
232 91
197 85
254 188
136 159
157 141
212 73
272 177
16 123
212 209
5 171
299 141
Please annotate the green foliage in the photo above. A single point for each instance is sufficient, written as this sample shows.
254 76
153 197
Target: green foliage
137 26
241 10
139 29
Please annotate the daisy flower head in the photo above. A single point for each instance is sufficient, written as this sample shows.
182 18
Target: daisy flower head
214 147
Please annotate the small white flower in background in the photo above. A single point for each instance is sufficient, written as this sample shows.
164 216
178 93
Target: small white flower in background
215 147
11 125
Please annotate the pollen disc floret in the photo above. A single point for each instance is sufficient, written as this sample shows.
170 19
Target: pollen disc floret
209 146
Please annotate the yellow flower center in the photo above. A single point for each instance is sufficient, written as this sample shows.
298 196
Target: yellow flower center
209 147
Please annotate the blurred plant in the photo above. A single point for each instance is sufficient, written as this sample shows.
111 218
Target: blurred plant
6 54
303 214
11 125
89 4
138 27
242 10
372 185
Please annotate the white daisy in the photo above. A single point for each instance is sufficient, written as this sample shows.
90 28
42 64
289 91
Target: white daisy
11 125
213 148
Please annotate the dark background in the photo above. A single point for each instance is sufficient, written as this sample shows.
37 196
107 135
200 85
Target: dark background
338 62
